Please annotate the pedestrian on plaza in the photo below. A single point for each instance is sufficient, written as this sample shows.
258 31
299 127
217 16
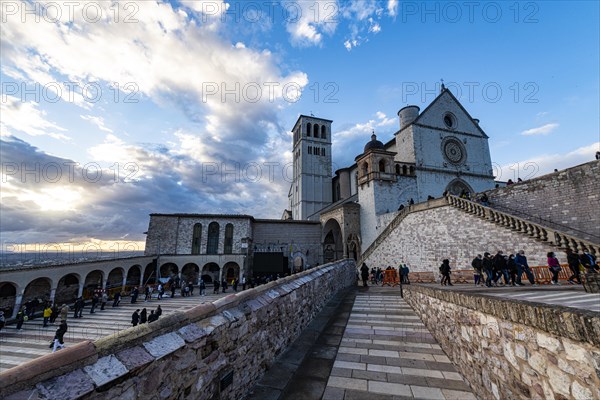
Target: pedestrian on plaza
95 300
235 285
117 299
2 320
364 274
445 270
104 300
78 308
152 317
172 289
191 286
21 318
185 290
135 317
243 282
215 286
488 269
47 314
523 266
511 266
148 293
554 267
54 314
59 336
134 295
405 272
588 261
202 287
158 311
161 291
477 265
224 285
499 264
573 261
143 316
64 312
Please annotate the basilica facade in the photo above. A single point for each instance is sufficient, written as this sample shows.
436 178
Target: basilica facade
441 149
332 215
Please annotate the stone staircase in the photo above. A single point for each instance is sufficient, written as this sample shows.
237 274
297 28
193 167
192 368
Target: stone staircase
551 236
18 347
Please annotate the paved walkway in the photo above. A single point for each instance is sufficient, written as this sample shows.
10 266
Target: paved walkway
18 347
372 347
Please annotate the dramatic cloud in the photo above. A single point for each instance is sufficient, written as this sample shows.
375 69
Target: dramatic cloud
540 130
98 122
26 117
309 20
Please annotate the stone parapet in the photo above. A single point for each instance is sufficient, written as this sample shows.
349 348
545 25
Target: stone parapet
215 350
509 349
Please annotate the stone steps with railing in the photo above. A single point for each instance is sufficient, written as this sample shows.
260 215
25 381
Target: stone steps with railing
551 236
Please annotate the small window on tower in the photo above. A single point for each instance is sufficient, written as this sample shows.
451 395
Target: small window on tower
308 129
309 149
323 151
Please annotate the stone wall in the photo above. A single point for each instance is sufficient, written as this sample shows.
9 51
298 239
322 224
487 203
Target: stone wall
430 233
186 355
513 350
570 197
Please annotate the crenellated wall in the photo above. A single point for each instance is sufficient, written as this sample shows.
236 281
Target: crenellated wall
570 197
508 349
186 355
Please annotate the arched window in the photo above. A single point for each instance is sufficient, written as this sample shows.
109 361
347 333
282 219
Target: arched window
381 165
316 130
397 169
196 237
323 132
308 129
366 169
212 246
404 170
228 247
323 151
412 170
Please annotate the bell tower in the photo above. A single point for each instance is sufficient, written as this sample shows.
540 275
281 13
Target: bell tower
311 186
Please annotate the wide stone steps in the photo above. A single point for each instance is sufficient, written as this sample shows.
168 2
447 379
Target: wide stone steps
32 341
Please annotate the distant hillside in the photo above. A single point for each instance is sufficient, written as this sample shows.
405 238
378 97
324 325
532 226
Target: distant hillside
12 259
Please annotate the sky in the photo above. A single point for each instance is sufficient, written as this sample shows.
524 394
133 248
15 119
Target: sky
110 111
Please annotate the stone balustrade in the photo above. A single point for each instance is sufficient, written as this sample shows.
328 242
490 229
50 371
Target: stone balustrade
214 350
537 231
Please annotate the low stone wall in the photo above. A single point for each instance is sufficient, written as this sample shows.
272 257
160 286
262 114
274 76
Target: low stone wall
514 350
215 350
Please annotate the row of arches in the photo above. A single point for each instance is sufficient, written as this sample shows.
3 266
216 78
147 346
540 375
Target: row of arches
382 166
73 285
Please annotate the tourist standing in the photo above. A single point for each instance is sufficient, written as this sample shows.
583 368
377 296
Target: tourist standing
523 266
104 300
216 286
134 295
64 312
158 311
477 265
117 299
554 267
143 316
59 336
20 318
135 317
488 269
445 270
47 314
573 261
55 312
224 285
511 266
202 287
95 300
148 293
243 282
364 274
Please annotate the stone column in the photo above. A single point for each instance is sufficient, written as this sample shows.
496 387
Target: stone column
124 281
220 274
141 278
80 290
104 282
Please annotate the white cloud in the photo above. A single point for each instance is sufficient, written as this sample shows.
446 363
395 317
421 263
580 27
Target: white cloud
540 130
26 117
392 7
546 163
97 121
309 20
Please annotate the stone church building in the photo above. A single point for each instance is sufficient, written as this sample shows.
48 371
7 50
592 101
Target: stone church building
334 215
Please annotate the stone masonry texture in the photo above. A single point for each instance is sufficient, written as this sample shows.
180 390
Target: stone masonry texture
511 349
570 197
424 238
186 355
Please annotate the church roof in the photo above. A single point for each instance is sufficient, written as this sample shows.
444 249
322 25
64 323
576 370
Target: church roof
373 144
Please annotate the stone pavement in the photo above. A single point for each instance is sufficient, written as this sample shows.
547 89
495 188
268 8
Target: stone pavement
564 295
373 347
18 347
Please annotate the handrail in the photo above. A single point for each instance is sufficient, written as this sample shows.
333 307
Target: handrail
542 220
537 231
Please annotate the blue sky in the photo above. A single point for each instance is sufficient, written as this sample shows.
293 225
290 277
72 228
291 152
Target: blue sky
111 112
